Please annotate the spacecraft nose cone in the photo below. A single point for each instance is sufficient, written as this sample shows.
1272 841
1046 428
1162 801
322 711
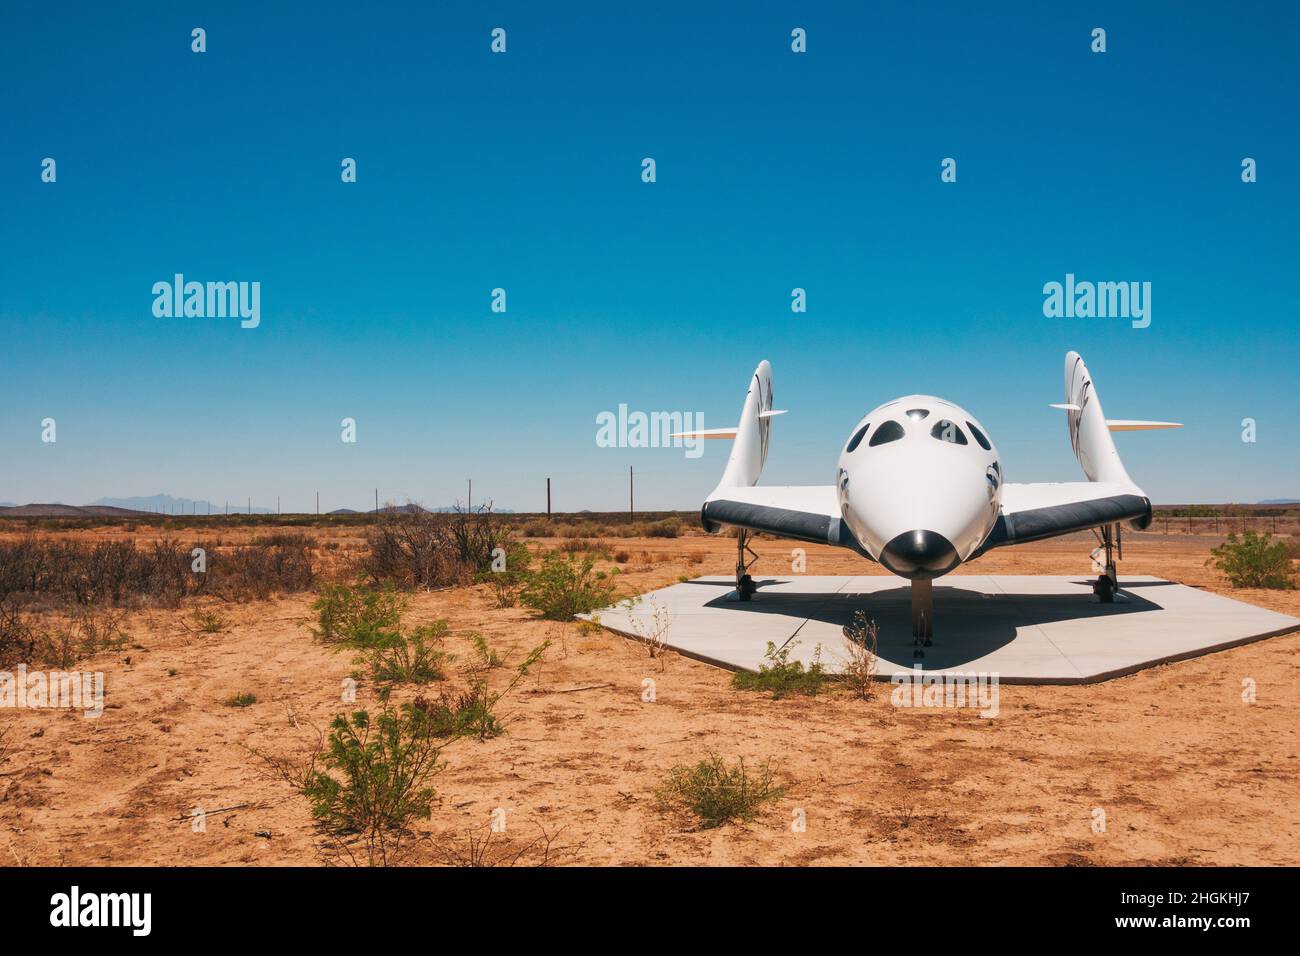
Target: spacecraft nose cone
919 554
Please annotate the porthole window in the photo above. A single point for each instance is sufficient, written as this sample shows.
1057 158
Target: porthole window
979 437
856 440
917 414
945 430
890 431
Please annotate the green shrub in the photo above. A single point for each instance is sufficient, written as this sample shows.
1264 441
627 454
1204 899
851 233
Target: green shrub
716 793
357 615
241 700
468 713
1254 561
506 582
410 659
782 676
563 587
472 712
375 781
486 657
208 621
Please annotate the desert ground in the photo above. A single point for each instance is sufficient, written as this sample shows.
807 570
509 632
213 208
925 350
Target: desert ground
1185 771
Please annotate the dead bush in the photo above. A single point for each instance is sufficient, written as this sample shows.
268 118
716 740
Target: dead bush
17 637
115 573
593 546
276 564
861 663
419 548
89 631
484 848
537 528
668 528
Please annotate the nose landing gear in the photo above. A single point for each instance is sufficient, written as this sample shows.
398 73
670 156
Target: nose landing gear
922 615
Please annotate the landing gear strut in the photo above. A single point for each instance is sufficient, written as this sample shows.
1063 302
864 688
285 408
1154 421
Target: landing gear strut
922 615
745 586
1112 542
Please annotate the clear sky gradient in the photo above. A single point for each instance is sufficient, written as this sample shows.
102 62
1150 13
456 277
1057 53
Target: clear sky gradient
522 171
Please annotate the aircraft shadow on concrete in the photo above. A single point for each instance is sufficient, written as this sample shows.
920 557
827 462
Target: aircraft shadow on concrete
968 625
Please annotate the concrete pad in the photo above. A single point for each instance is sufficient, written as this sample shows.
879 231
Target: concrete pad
1027 629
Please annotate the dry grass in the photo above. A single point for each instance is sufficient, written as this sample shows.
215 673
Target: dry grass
1184 767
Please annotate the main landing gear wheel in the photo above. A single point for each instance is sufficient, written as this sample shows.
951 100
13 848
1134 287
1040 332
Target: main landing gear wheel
745 559
1107 584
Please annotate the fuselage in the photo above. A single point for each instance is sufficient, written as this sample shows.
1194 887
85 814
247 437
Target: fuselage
919 484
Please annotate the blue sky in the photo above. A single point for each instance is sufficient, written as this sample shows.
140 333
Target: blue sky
522 171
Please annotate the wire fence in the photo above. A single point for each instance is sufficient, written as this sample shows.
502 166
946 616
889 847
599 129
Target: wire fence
1284 524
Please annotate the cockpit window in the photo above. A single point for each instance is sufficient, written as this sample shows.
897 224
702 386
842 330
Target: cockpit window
917 414
889 431
945 430
979 437
856 440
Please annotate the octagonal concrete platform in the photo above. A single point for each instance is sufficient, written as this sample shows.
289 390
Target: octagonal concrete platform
1027 629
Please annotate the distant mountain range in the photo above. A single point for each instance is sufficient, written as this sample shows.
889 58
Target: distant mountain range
55 510
167 504
1280 501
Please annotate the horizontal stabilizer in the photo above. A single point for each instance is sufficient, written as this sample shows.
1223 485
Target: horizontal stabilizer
707 433
721 432
1068 408
1130 425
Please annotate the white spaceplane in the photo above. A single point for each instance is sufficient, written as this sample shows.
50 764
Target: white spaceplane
920 489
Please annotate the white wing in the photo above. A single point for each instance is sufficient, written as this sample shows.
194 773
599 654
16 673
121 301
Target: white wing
802 512
1031 512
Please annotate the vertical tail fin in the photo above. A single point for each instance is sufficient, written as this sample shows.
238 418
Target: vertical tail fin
753 433
1089 432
